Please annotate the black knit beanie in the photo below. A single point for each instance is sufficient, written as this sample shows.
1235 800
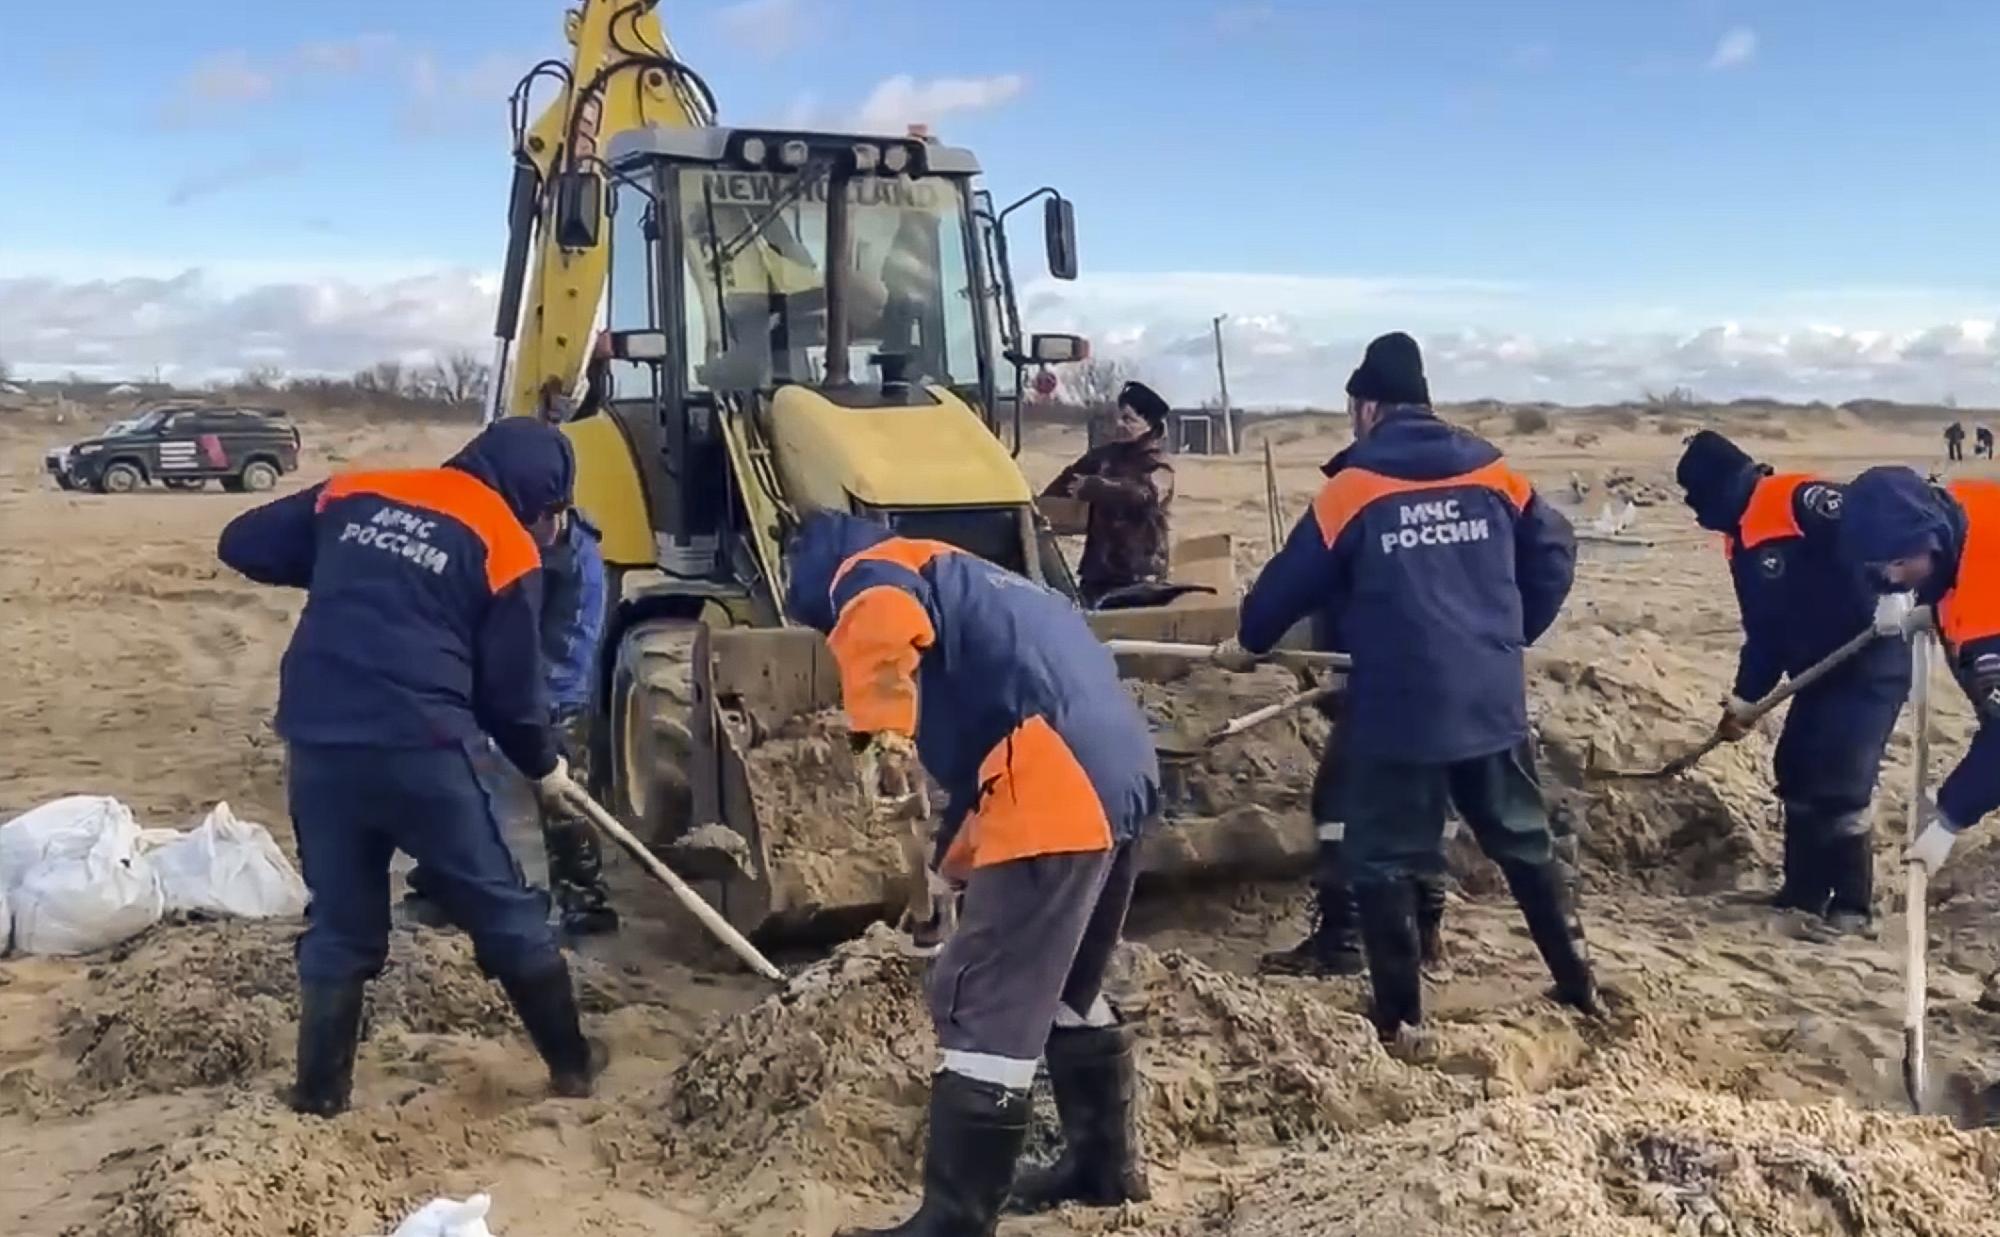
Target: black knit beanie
1718 476
1391 372
1145 401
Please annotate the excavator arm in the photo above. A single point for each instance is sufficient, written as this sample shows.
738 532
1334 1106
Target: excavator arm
623 75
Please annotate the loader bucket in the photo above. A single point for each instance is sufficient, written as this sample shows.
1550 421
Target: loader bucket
782 775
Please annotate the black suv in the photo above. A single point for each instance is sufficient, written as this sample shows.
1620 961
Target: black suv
182 447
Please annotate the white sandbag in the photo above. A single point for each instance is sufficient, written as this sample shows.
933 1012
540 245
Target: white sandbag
75 904
445 1217
227 866
6 925
61 829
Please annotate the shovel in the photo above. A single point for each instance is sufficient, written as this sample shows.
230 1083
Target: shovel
1785 691
1916 928
608 825
1291 659
1182 745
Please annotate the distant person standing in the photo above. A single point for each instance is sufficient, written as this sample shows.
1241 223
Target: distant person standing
1129 485
1982 442
1954 441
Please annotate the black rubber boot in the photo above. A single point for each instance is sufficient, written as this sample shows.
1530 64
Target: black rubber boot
547 1005
1850 862
977 1130
1430 921
576 877
1330 947
1388 916
329 1031
1096 1090
1542 892
1806 879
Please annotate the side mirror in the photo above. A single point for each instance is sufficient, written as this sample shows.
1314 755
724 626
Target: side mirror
639 345
1059 230
579 208
1058 349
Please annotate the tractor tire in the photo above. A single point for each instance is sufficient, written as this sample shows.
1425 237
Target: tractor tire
651 705
120 478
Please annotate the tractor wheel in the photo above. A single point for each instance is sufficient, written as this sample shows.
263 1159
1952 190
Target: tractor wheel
652 740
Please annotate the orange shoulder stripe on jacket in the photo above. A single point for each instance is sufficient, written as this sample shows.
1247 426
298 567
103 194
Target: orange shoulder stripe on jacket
1034 799
1769 515
1350 490
1971 610
510 550
877 642
910 552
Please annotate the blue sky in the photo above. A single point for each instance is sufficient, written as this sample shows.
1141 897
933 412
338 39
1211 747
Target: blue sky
1565 197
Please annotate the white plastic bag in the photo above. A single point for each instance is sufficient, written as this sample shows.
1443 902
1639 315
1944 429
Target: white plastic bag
77 903
226 866
61 829
446 1217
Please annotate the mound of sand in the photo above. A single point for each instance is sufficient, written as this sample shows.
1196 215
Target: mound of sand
827 1082
210 1003
1629 1158
826 849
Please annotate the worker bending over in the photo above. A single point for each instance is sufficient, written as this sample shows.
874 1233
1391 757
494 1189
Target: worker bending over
1800 600
1437 565
1943 544
418 637
1014 708
1129 484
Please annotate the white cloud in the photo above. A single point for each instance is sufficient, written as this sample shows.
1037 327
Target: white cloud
436 92
901 101
192 328
224 80
347 57
1237 19
1736 48
1292 340
768 28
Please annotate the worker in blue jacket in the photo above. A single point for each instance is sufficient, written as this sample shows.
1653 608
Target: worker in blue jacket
1800 600
1437 565
1003 693
419 638
572 625
1942 543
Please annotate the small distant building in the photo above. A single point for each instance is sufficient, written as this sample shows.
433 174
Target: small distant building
1198 431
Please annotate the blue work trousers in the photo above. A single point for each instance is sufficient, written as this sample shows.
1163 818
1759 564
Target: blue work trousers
353 808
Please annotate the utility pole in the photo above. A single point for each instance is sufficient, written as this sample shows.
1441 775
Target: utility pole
1222 378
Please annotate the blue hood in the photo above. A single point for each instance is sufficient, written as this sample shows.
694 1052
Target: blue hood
1410 442
527 463
824 541
1893 513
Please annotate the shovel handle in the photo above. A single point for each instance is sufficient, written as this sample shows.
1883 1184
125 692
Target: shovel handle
608 825
1916 918
1204 652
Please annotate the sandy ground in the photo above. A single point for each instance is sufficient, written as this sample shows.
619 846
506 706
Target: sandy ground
1746 1083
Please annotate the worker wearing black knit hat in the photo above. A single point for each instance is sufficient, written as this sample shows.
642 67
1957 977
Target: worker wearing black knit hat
1391 372
1129 485
1799 602
1433 565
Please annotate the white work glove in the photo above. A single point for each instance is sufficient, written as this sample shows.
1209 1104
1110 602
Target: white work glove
1897 614
1736 719
559 794
1231 655
1934 840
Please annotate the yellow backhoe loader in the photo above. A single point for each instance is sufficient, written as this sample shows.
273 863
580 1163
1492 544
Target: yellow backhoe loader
794 321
